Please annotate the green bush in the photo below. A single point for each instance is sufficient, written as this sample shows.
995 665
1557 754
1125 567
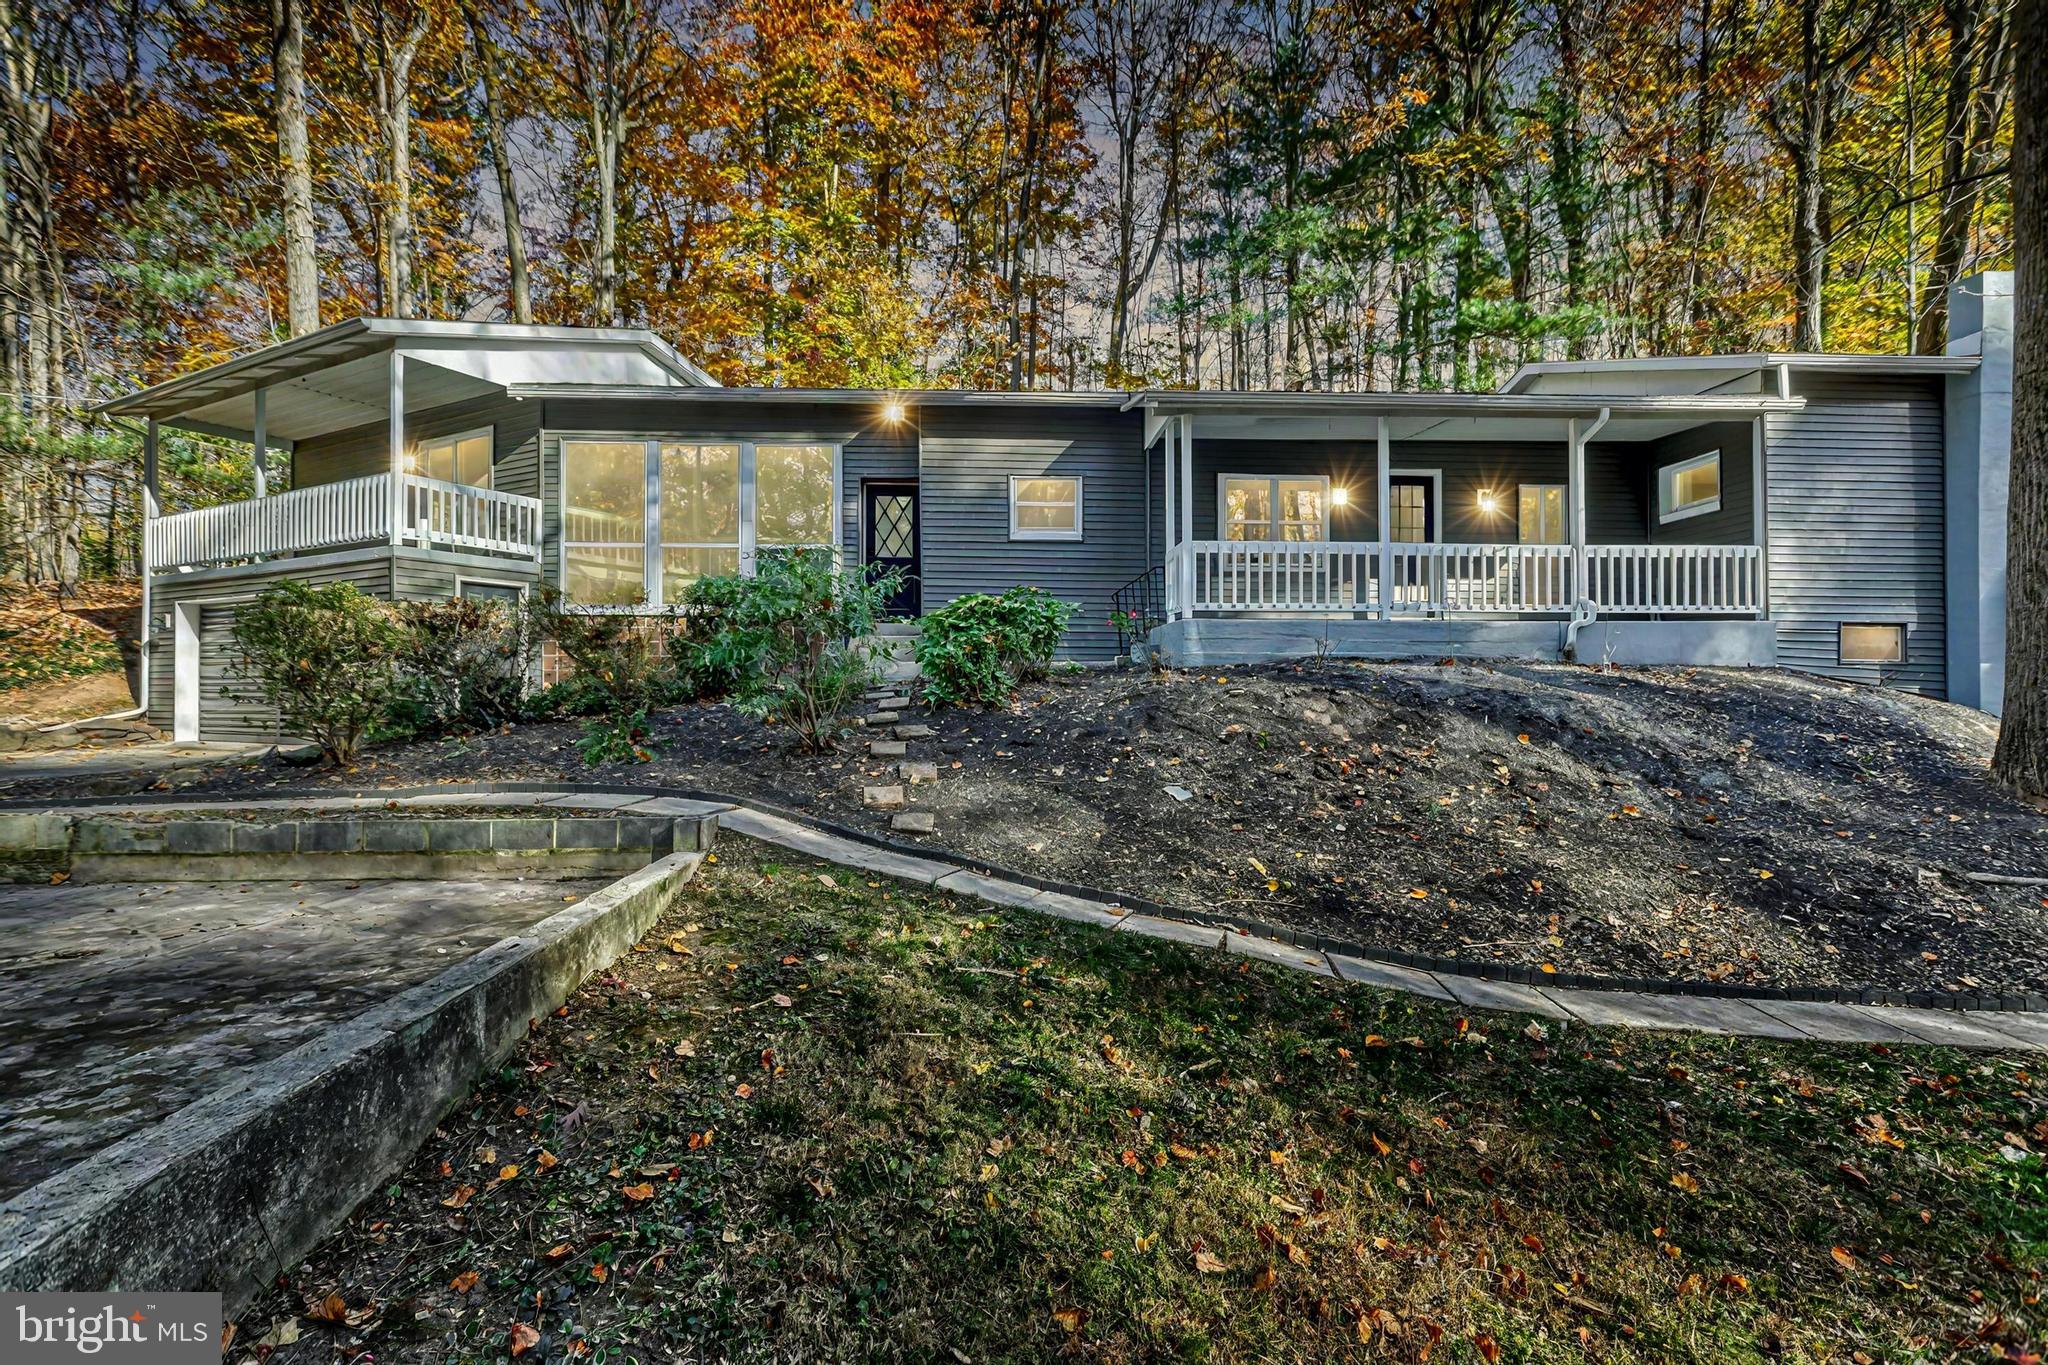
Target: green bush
463 666
326 657
976 649
620 675
786 644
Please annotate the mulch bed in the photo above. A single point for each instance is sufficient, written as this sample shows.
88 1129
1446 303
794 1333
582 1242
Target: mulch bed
1760 827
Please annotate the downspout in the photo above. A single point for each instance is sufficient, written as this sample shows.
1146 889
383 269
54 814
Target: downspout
1584 609
149 515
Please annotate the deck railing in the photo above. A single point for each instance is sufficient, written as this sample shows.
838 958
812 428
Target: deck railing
1228 576
351 512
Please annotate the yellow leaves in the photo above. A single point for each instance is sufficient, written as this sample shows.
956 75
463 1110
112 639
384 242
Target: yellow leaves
1070 1320
1277 1158
1681 1180
699 1141
1521 739
507 1173
638 1193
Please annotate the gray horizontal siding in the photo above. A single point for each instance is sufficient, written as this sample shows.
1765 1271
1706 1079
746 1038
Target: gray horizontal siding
965 463
1855 521
220 719
1734 522
515 445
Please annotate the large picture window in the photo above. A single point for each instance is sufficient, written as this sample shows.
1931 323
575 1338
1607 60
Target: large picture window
644 518
1259 507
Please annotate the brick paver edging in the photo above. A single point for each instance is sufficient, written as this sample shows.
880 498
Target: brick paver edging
1684 1004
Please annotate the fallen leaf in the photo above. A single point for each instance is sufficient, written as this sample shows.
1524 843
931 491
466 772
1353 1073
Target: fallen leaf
1208 1264
1685 1182
1070 1319
1843 1258
507 1172
460 1197
464 1282
333 1308
638 1193
546 1161
525 1336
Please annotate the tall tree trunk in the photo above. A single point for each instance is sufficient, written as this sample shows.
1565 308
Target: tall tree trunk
1809 245
389 58
2021 761
488 74
294 165
1976 86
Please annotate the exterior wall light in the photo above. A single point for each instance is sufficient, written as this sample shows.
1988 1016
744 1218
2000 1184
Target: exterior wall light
892 412
1340 497
1489 502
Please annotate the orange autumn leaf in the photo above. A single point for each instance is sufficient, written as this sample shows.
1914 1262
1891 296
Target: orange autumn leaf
464 1282
638 1193
525 1336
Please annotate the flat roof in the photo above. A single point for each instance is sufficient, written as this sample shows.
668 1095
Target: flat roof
1742 363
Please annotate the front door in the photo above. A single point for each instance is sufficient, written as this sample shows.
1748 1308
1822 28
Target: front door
889 514
1412 521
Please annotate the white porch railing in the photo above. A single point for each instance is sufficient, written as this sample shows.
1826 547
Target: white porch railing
1330 576
1676 579
352 512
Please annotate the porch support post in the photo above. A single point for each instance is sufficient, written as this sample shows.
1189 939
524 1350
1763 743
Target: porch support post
1169 567
396 399
149 514
1385 498
1187 512
1575 509
260 437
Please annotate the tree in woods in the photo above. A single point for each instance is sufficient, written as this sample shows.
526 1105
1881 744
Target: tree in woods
606 74
294 165
2021 761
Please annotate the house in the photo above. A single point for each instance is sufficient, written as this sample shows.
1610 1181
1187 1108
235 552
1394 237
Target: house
1833 513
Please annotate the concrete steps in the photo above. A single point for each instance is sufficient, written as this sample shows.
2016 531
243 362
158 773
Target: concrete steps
894 644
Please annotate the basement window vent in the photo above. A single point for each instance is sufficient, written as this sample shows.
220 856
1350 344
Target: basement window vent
1873 644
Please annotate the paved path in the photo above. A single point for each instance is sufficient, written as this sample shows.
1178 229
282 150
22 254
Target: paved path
1791 1020
127 1001
91 762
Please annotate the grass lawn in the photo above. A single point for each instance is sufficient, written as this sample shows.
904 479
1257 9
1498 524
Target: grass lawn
817 1117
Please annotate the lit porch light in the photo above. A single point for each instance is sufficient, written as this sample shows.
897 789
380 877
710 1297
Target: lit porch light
1340 497
1489 502
892 412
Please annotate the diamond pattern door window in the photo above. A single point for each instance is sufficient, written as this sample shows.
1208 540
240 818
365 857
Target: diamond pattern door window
895 526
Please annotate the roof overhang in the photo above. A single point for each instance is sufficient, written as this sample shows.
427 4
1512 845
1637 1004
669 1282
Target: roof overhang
913 398
339 376
1293 416
1749 372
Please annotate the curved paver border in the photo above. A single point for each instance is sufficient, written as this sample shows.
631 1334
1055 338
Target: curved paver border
1834 1014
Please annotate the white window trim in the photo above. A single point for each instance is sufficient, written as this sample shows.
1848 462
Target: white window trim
1565 512
1045 532
651 541
490 435
1842 658
1436 500
463 580
1273 482
1667 479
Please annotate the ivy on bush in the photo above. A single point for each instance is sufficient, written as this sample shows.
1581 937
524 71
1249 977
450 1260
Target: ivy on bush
785 644
326 657
976 649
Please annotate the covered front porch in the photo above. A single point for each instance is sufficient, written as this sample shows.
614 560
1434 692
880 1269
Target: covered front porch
1499 509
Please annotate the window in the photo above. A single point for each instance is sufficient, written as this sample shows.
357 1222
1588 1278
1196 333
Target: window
1259 507
604 522
1869 644
1044 507
643 519
700 514
1539 509
487 590
463 458
1690 488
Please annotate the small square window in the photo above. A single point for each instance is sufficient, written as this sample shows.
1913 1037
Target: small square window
1045 507
1690 488
1873 644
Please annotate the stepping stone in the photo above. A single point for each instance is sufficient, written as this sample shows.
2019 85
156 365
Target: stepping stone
882 798
882 718
915 732
894 701
914 773
914 822
887 748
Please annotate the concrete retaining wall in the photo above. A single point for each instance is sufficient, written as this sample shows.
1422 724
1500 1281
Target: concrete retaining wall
232 1189
1208 642
119 849
1716 644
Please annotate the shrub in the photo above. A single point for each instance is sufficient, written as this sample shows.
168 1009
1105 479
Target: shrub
976 649
463 666
621 674
786 644
325 657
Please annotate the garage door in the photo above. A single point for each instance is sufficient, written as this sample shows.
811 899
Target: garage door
220 717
